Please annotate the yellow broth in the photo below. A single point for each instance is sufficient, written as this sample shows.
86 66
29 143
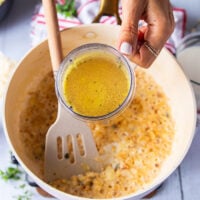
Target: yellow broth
95 84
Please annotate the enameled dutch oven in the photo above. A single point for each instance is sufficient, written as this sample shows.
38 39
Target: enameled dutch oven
165 70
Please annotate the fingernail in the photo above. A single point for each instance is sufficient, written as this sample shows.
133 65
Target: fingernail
126 48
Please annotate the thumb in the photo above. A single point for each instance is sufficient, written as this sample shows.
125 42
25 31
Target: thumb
131 13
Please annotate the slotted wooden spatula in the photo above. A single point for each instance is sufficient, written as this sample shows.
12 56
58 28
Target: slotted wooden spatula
70 148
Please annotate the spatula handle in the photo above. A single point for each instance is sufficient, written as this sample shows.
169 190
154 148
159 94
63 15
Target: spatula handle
54 39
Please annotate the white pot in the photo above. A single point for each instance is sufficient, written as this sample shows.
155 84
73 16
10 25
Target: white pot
164 70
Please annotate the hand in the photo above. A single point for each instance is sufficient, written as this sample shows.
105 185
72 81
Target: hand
143 44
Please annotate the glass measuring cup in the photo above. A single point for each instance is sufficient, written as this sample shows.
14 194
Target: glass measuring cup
95 82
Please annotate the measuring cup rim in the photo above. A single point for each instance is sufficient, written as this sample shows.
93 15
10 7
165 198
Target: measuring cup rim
95 46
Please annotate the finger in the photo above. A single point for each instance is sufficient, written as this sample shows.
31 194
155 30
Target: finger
146 55
131 13
145 52
160 25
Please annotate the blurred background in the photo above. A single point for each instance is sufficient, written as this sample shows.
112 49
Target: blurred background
16 16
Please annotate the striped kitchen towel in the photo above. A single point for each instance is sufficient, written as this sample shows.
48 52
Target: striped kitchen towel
86 10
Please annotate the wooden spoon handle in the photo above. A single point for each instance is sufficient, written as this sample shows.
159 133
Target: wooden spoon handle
54 39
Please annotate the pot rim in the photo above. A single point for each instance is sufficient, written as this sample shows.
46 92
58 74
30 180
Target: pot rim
50 189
